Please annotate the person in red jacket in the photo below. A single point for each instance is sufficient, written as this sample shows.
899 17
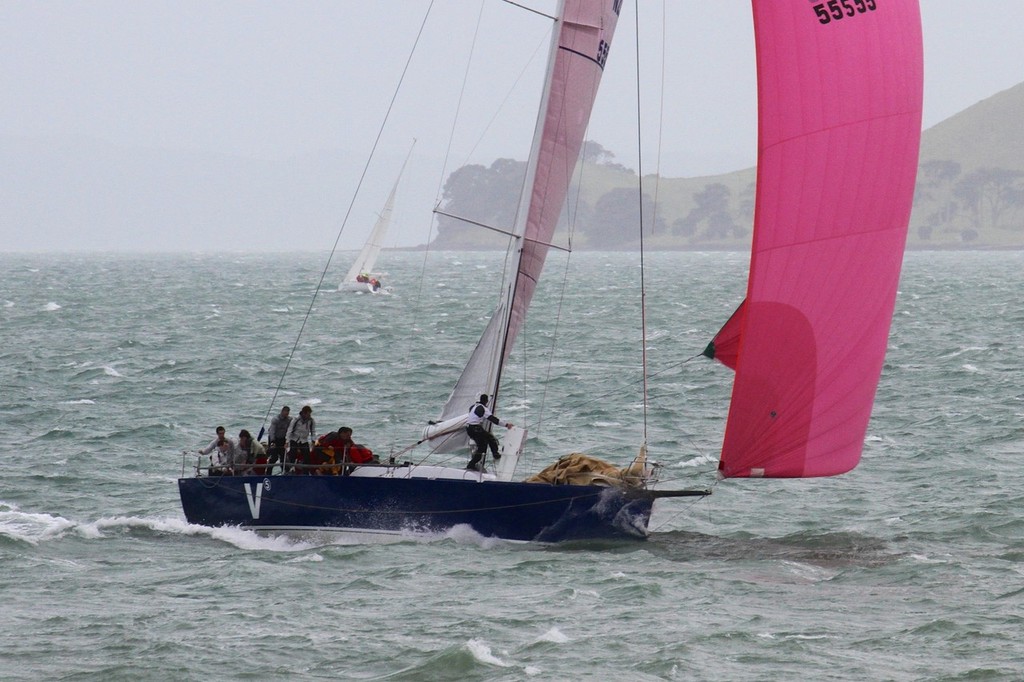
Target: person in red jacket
339 449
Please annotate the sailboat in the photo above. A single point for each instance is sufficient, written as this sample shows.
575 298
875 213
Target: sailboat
839 104
361 276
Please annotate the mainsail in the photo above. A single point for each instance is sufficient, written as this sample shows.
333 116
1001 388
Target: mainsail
839 105
581 38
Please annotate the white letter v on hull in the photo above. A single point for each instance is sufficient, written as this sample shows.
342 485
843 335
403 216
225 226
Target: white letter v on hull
254 498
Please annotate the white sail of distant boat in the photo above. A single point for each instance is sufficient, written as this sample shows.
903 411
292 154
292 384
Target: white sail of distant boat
361 276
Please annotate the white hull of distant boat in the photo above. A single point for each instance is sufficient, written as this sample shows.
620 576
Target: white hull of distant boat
360 276
364 288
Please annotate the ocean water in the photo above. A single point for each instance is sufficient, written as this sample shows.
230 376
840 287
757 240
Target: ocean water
911 567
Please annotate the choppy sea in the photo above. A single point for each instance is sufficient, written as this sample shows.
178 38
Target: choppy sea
910 567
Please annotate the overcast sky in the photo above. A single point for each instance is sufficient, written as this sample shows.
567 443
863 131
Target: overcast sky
274 80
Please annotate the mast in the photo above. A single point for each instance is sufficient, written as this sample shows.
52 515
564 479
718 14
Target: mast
581 38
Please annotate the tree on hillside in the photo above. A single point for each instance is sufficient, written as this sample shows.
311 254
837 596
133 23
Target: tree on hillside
712 212
1015 198
935 182
596 154
485 195
616 216
746 201
989 193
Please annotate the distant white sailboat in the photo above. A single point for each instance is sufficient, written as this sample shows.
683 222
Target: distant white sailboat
361 276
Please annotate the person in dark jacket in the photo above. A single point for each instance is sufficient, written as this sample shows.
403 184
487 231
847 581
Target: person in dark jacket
277 437
482 437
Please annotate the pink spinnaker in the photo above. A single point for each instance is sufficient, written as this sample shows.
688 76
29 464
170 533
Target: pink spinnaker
839 105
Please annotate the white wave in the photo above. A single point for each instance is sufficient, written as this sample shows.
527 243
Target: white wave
809 573
280 310
83 401
464 534
31 528
313 558
362 370
807 637
961 351
553 635
8 304
971 368
111 372
34 528
699 460
239 537
583 593
51 306
482 653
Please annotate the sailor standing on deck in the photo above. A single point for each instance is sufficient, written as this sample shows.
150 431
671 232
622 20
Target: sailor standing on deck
277 437
301 434
483 438
221 463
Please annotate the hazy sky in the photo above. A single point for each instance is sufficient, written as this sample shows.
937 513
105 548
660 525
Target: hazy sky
273 79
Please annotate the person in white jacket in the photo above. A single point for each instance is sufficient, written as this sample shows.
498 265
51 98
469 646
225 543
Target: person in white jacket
225 451
301 434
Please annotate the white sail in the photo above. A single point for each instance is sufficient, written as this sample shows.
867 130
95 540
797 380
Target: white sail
367 258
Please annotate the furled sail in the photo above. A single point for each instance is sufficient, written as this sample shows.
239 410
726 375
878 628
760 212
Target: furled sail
839 106
580 43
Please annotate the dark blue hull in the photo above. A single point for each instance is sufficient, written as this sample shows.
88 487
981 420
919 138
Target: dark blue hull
512 511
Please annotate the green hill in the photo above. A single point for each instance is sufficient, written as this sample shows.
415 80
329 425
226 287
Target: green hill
970 182
969 194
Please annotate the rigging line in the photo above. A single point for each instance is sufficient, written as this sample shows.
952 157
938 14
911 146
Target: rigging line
687 506
554 334
570 233
494 117
458 104
579 171
440 187
508 94
529 9
528 185
661 121
640 165
683 479
630 383
348 212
